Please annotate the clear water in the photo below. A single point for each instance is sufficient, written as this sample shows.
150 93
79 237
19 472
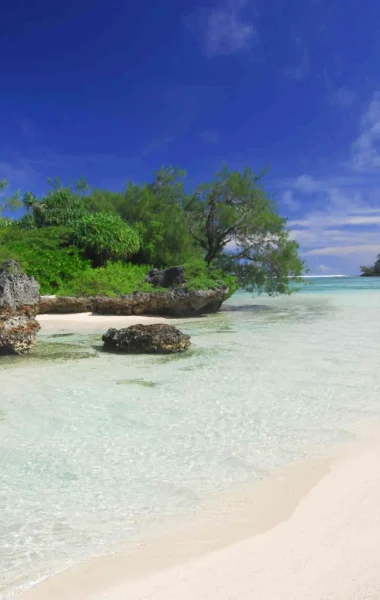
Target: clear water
94 448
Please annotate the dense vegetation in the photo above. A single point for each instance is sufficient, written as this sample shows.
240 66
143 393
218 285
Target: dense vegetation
82 241
373 271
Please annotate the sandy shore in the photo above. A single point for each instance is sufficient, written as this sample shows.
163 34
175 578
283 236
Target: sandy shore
82 322
311 534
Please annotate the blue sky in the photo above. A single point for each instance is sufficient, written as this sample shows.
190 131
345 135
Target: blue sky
113 90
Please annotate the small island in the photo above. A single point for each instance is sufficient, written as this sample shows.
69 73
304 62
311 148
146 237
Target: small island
116 253
373 271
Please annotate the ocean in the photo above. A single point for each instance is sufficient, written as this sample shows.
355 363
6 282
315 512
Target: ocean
98 448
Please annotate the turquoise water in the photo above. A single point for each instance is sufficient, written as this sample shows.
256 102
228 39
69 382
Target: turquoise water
96 448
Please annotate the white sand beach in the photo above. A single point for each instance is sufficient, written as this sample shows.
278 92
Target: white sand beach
88 321
321 542
245 469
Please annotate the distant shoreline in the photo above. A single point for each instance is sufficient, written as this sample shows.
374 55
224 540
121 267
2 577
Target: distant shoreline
324 276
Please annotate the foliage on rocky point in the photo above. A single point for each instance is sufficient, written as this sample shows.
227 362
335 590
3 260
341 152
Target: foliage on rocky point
78 239
373 271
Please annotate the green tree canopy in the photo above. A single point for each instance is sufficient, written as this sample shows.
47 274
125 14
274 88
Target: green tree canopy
372 271
60 208
237 225
156 210
8 203
105 237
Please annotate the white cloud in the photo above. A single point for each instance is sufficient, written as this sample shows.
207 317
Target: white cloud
365 150
339 221
288 200
339 215
343 97
324 269
307 184
229 28
364 249
19 173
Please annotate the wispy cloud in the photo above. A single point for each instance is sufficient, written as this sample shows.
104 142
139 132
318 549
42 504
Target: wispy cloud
210 137
228 28
156 144
18 173
324 269
301 68
339 215
28 129
365 150
343 97
339 221
367 250
289 202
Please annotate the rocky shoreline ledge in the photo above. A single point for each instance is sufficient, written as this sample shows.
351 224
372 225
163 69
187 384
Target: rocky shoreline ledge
177 302
19 299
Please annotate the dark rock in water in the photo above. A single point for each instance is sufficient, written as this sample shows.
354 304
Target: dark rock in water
19 300
171 277
149 339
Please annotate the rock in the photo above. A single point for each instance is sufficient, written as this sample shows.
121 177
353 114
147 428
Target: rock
17 289
64 305
171 277
19 300
177 303
146 339
17 334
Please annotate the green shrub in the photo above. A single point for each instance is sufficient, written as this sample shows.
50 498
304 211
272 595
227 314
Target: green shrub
105 237
59 208
200 277
43 253
116 279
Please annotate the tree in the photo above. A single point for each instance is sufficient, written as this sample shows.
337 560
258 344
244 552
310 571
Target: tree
60 208
11 203
100 200
156 210
239 229
372 271
105 237
81 186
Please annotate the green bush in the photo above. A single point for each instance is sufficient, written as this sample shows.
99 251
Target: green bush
116 279
43 253
59 208
200 277
105 237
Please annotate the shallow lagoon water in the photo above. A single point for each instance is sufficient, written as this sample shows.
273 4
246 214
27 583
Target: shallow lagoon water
95 448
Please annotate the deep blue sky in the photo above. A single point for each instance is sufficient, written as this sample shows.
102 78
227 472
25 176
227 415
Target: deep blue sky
113 90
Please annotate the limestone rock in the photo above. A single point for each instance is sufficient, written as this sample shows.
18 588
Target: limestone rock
171 277
64 305
19 300
178 302
18 334
149 339
17 289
